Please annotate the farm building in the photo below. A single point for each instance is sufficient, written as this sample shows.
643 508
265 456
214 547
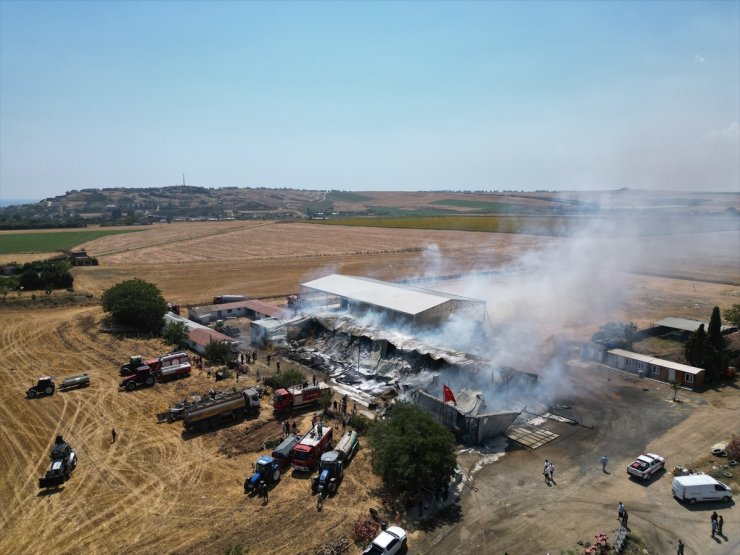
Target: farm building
252 309
682 327
199 336
268 331
466 417
656 368
81 258
398 304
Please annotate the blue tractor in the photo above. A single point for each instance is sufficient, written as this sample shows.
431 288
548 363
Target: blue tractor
331 472
266 470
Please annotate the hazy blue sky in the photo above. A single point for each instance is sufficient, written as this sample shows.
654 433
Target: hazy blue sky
376 95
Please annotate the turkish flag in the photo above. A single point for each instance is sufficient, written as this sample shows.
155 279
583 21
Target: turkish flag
448 396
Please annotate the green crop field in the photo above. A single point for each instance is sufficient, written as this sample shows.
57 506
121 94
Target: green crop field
483 206
15 243
344 196
536 225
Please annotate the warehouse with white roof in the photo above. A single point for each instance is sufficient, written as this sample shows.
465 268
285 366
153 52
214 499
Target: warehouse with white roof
398 304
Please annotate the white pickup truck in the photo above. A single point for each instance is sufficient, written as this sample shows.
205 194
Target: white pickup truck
646 465
390 541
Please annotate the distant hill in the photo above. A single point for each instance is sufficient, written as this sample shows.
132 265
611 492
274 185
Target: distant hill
128 206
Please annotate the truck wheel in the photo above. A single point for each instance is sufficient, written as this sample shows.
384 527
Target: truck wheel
31 393
725 499
276 476
149 381
692 500
130 386
49 390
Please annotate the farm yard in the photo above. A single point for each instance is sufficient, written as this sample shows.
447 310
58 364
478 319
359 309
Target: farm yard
155 490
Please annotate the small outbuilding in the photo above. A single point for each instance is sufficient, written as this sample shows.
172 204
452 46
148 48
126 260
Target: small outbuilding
656 368
252 309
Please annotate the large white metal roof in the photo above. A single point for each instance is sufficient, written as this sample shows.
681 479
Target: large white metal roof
401 298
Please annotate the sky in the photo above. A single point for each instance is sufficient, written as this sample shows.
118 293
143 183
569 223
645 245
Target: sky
369 95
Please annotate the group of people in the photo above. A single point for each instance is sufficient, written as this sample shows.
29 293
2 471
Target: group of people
549 471
287 427
717 523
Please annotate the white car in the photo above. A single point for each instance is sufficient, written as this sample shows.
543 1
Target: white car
646 465
390 541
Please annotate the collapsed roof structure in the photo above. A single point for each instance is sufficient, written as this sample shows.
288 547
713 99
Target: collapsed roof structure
466 416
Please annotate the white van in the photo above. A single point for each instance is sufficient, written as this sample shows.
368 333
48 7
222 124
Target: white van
700 487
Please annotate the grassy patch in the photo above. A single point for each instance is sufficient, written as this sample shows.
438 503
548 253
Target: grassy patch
659 347
543 225
14 243
344 196
484 206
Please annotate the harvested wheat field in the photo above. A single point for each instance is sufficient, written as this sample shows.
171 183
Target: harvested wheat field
153 490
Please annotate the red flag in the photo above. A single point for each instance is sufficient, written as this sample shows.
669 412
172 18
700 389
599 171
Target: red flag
448 396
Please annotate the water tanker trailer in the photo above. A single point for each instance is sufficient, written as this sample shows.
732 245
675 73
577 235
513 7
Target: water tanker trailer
211 412
348 446
81 380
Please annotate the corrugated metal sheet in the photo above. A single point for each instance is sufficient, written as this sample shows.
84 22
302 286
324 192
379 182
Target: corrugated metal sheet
399 298
346 324
656 361
205 336
685 324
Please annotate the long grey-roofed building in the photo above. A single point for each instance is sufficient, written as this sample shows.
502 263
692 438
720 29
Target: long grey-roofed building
401 304
687 325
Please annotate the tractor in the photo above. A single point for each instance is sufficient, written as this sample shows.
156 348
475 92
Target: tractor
63 462
44 386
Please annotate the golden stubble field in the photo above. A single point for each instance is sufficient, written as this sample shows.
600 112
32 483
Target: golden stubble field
154 491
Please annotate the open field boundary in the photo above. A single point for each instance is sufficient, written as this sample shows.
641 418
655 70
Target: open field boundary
17 243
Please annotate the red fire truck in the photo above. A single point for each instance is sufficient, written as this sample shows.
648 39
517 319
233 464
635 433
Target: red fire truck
308 451
297 397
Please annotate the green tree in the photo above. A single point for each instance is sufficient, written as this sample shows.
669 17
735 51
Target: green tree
411 451
674 387
219 351
175 333
714 331
732 315
135 303
714 362
694 348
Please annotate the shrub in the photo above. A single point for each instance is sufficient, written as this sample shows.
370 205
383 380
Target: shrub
285 379
360 422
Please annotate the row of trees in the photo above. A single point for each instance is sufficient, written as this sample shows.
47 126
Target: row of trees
707 349
46 275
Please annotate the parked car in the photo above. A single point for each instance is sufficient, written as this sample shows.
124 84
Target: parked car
646 465
389 542
700 487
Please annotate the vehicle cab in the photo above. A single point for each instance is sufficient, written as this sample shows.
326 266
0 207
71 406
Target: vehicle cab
388 542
